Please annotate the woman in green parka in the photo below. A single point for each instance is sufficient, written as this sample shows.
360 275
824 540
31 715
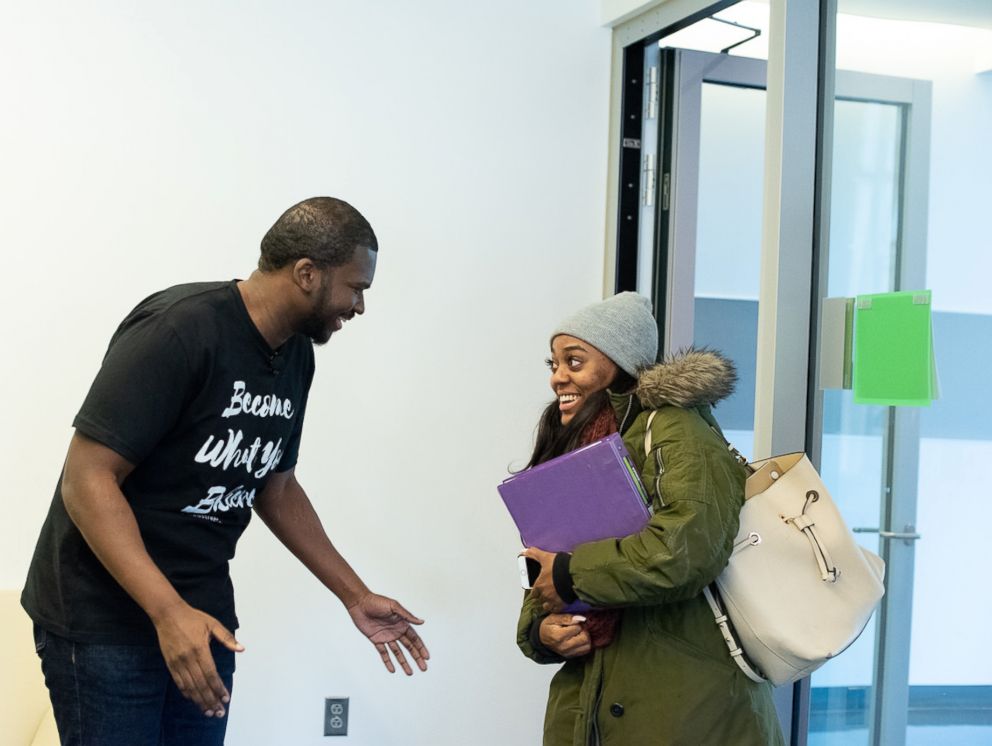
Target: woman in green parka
648 666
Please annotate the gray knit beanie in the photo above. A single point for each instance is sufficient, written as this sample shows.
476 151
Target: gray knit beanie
621 327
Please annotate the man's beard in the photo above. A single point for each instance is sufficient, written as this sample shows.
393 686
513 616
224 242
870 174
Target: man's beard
315 325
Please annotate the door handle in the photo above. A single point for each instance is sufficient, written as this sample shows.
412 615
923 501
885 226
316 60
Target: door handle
908 534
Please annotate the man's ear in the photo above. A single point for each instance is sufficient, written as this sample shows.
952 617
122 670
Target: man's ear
307 275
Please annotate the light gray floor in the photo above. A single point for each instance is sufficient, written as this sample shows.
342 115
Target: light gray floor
918 735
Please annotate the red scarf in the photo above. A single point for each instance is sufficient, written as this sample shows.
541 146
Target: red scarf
603 424
601 624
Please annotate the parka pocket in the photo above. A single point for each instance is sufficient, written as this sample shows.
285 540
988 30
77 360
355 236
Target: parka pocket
716 656
697 653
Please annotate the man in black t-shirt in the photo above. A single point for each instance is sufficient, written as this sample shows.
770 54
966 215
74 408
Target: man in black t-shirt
194 421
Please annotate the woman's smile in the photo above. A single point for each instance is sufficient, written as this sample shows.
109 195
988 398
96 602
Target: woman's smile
568 402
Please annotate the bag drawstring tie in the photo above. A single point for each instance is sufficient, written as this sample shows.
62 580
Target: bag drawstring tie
828 571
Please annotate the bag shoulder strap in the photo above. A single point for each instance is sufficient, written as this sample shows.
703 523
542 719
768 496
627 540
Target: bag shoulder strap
723 622
647 433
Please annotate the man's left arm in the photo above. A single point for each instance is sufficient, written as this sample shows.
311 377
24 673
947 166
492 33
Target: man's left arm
285 508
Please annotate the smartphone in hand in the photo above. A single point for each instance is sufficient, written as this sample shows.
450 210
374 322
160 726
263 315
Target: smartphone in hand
529 570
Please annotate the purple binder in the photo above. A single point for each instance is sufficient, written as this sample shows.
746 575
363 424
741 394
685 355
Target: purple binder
591 493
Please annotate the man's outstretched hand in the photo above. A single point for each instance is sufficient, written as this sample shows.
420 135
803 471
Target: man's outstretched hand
387 624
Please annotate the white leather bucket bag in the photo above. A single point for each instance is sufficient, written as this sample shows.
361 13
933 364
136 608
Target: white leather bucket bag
798 589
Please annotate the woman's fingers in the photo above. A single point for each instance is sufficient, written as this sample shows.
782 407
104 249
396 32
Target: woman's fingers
584 647
574 646
568 632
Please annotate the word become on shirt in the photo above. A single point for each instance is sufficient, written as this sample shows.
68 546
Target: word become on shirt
269 405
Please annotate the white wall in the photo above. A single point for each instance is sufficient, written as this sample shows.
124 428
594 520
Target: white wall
148 144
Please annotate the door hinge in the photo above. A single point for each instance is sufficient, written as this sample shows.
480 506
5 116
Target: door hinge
651 109
650 180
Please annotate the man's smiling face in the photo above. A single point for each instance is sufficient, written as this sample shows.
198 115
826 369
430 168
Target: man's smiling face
340 297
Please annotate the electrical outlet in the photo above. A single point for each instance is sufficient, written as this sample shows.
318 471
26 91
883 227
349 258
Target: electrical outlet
336 716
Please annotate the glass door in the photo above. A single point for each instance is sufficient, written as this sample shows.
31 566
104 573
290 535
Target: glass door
868 454
934 682
706 287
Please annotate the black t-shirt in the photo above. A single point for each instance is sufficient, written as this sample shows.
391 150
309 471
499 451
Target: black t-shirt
192 395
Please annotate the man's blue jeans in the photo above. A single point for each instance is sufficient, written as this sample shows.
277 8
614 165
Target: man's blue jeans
123 695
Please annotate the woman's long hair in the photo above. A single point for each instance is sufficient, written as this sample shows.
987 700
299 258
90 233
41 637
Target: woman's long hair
555 439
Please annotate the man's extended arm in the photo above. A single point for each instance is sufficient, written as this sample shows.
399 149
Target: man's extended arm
91 491
285 508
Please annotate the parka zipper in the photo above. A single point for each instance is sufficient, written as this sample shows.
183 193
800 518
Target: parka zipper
630 403
659 464
657 479
594 730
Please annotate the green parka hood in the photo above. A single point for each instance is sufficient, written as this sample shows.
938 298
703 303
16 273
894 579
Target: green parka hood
687 379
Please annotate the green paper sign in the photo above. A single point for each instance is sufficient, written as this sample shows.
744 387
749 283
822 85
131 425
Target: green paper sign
893 350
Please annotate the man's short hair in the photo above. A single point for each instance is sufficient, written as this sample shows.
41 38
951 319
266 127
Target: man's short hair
323 229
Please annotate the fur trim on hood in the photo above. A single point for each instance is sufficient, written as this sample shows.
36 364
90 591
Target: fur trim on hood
687 379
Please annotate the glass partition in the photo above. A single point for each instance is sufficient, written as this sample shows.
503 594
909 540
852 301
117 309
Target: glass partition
909 200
